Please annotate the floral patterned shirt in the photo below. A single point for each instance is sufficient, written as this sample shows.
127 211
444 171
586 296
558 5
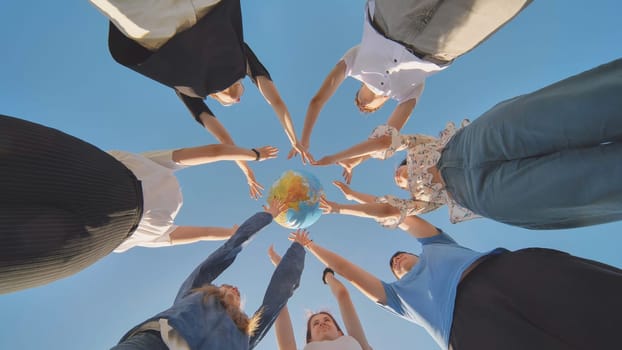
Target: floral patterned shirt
423 153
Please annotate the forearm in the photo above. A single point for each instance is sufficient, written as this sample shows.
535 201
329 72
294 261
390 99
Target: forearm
284 281
361 197
313 112
361 279
212 153
284 331
349 315
362 150
285 119
221 258
191 234
368 210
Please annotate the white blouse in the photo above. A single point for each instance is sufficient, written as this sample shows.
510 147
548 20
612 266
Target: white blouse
423 152
344 342
162 197
386 66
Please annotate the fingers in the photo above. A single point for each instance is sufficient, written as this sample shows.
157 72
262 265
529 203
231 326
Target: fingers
307 157
300 236
268 152
347 175
322 162
341 186
325 206
292 153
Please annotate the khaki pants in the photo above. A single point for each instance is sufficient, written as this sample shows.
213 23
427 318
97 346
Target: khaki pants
151 23
444 30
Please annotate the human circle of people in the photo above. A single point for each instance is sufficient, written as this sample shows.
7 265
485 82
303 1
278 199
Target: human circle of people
100 202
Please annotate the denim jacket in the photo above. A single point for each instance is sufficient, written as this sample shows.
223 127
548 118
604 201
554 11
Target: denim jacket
207 325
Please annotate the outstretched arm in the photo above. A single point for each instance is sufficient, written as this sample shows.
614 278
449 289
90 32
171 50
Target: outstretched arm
326 91
414 225
272 96
221 258
364 281
352 195
218 152
204 115
363 149
401 114
284 281
348 312
376 211
192 234
283 325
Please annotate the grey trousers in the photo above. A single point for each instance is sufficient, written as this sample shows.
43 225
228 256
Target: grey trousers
538 299
545 160
441 31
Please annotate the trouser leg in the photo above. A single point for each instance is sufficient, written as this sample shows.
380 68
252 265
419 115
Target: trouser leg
571 188
64 205
580 111
538 299
444 30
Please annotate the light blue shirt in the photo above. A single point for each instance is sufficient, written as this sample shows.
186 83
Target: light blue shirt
426 294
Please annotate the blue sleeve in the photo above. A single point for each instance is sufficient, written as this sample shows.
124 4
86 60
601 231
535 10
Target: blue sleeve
284 281
440 238
221 258
393 301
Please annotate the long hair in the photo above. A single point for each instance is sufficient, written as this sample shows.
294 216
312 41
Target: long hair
320 313
245 324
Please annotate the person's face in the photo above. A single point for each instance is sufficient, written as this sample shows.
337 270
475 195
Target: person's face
402 263
230 95
401 177
368 101
231 295
323 328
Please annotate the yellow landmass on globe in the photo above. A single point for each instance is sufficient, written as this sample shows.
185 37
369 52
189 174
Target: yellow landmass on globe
292 190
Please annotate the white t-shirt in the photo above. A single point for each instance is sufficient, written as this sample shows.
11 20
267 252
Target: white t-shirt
162 197
386 66
345 342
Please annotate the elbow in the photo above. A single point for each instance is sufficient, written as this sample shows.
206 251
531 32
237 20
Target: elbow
341 293
316 102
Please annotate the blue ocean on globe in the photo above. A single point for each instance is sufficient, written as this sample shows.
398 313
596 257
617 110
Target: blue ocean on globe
301 191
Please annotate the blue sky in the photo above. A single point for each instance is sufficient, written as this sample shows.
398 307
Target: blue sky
56 70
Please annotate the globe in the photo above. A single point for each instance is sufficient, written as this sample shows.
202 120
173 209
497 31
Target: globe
301 191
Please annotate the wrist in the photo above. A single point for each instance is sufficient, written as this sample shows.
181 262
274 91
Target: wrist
257 154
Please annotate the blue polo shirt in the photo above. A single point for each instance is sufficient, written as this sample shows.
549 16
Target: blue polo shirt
426 294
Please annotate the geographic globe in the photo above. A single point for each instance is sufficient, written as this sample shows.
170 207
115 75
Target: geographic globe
301 191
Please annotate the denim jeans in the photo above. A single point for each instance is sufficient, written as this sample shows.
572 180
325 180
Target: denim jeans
545 160
149 340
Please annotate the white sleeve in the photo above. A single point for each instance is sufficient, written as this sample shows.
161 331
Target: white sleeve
349 57
415 93
164 158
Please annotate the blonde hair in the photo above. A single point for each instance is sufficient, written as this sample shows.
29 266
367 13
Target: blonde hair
245 324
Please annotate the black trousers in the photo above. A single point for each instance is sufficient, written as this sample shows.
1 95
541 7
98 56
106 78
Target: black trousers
64 204
538 299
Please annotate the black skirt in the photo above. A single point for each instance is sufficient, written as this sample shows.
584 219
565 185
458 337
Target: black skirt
538 299
64 204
